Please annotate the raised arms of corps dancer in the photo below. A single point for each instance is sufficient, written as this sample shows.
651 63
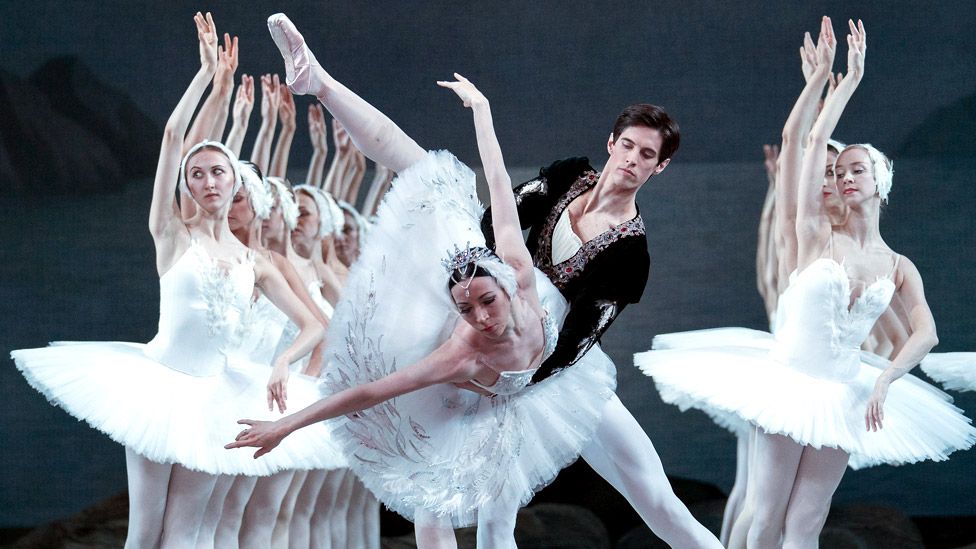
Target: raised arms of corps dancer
167 401
814 396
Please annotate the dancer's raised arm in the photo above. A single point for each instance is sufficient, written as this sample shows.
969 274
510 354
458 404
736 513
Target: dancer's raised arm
243 105
817 62
270 98
165 222
210 121
374 134
282 150
508 233
355 172
382 177
812 222
320 145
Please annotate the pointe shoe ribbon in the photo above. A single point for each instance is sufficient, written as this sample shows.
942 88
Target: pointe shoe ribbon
299 60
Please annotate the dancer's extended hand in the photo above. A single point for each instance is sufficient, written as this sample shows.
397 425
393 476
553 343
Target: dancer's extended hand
207 35
875 414
244 100
286 107
341 138
826 46
464 89
263 435
856 48
316 128
227 58
808 57
278 387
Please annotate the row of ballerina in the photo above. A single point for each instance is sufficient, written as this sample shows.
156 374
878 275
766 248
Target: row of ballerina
421 386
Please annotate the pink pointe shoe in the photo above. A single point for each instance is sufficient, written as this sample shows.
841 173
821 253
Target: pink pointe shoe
299 60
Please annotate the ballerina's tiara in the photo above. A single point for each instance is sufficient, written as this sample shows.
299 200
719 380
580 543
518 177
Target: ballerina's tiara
460 258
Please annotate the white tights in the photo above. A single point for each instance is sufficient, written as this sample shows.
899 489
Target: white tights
166 503
215 507
791 491
378 137
232 517
363 518
624 456
737 496
258 524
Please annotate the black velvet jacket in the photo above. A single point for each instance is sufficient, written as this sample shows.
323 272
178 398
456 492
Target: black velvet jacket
605 275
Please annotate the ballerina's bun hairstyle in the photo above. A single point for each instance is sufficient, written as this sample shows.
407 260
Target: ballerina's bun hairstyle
654 117
213 146
882 167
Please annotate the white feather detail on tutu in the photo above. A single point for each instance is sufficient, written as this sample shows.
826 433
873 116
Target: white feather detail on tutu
955 371
443 449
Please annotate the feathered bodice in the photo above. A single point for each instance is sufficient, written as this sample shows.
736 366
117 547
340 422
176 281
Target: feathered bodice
203 309
822 328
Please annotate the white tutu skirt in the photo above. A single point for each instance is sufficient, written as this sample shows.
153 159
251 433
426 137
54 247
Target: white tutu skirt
729 374
172 417
446 450
955 371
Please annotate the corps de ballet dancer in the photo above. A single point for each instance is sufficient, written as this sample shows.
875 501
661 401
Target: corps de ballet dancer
820 403
166 401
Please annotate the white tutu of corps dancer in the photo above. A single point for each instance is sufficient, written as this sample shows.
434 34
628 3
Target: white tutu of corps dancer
955 371
443 449
810 381
177 399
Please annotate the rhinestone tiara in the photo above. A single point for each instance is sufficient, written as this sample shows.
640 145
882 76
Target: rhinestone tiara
459 258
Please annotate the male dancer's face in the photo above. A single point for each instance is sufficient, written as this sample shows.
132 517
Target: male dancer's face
634 156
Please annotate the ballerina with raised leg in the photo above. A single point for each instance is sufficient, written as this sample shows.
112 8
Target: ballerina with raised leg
611 432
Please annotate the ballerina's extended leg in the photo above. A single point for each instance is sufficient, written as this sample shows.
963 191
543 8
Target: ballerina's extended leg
373 133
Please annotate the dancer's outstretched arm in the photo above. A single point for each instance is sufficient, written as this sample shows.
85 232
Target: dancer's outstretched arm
243 105
817 63
333 179
320 145
210 121
165 222
508 233
812 222
261 152
451 362
282 151
375 134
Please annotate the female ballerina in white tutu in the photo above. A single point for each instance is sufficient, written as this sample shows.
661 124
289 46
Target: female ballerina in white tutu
817 401
439 455
167 401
